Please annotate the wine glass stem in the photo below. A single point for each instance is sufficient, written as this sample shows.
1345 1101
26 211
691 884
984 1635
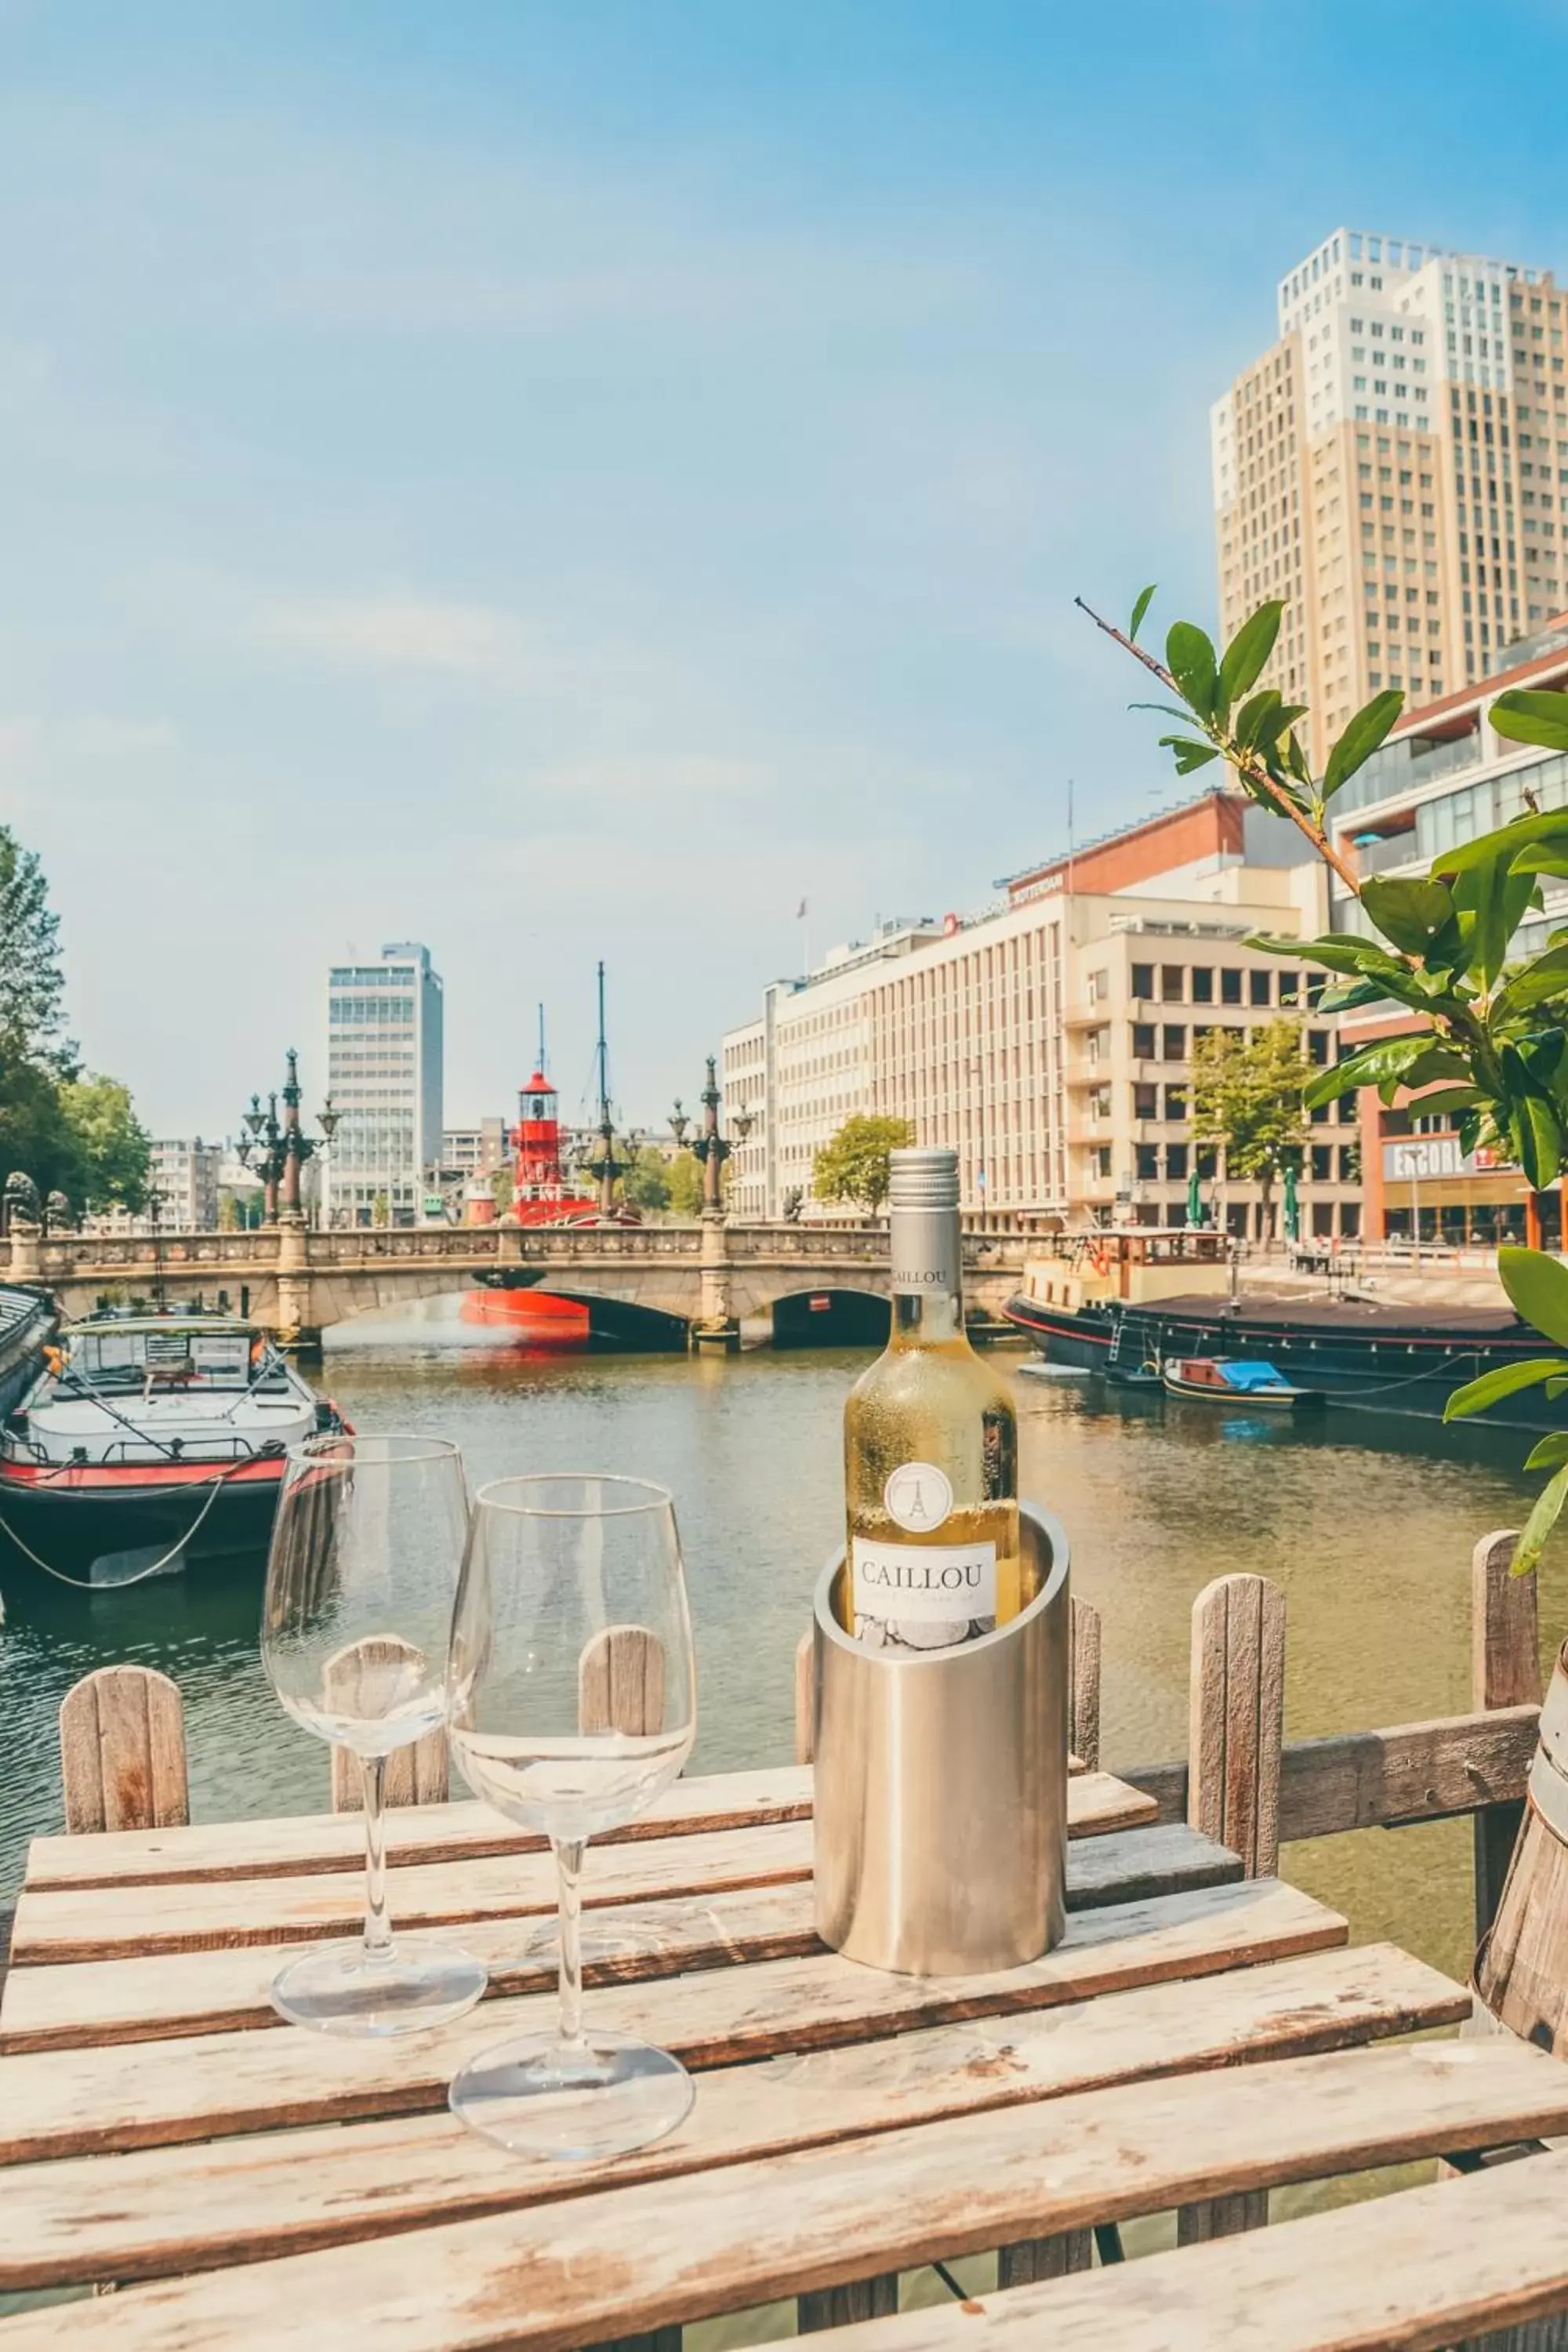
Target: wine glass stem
569 1873
377 1927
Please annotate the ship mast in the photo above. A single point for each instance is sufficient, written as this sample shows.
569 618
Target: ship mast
607 1168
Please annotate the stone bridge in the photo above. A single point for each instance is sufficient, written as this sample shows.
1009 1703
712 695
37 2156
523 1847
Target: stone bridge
711 1278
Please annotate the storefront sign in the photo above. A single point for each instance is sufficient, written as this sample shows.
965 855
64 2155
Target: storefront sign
1414 1159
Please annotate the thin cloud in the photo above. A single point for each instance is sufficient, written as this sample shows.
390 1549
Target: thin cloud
402 633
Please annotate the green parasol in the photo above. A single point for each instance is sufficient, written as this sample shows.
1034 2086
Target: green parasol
1195 1199
1292 1208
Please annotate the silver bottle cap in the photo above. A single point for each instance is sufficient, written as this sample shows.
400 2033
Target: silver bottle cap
923 1177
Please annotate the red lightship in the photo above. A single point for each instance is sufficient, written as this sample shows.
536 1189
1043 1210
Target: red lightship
542 1195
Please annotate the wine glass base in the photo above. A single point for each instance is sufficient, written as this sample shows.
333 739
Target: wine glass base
538 2097
336 1990
619 1937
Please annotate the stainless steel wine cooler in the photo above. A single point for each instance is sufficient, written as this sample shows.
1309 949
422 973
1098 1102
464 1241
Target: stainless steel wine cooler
940 1784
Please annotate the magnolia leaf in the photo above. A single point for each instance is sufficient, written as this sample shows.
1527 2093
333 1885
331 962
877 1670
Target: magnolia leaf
1248 650
1540 1142
1166 709
1505 1381
1361 739
1340 951
1443 1100
1145 598
1190 658
1411 914
1540 1522
1537 1286
1344 995
1255 722
1523 834
1537 983
1550 1453
1527 715
1188 753
1555 1388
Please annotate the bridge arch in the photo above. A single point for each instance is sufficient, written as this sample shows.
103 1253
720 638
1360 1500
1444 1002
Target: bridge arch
832 1314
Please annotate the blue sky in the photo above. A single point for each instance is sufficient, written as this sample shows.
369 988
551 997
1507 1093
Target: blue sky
564 480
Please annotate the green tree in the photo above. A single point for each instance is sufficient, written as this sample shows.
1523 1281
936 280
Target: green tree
32 981
855 1165
647 1183
684 1178
110 1147
503 1181
1246 1098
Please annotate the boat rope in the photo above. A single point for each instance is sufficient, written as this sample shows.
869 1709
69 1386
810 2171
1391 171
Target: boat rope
123 1584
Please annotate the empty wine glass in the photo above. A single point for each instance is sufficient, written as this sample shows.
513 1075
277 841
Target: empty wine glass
571 1703
365 1552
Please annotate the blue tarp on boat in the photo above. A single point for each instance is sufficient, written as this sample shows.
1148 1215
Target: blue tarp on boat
1251 1375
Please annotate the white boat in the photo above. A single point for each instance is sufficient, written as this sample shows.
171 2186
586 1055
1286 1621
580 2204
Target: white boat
148 1439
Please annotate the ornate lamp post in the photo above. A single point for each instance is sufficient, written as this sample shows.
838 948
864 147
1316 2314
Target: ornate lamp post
277 1148
709 1148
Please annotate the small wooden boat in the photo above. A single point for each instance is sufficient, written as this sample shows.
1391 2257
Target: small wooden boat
1221 1379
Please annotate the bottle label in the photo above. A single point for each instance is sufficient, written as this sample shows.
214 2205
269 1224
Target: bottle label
919 1496
925 1584
925 1252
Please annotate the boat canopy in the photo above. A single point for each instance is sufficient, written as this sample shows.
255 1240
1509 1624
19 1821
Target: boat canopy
1254 1375
221 1355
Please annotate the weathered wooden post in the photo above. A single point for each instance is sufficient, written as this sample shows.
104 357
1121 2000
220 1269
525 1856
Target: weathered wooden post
1522 1968
1505 1671
416 1774
1235 1736
122 1752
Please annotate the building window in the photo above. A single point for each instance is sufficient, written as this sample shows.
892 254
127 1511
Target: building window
1175 1102
1349 1163
1142 1041
1175 1043
1203 984
1231 987
1100 1160
1317 1046
1170 983
1258 987
1147 1156
1176 1163
1290 987
1323 1163
1145 1102
1143 982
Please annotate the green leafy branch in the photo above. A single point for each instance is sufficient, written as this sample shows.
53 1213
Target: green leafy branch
1256 732
1489 1047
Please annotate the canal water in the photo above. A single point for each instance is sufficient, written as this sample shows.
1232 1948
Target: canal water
1368 1529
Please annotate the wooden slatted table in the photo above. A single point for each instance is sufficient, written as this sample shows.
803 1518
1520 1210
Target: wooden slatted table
250 2185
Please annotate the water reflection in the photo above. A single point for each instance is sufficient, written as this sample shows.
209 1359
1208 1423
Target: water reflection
1367 1526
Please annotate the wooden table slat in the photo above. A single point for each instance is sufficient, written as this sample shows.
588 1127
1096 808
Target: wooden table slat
139 2095
80 1924
611 2263
197 2205
297 1843
1418 2270
153 1998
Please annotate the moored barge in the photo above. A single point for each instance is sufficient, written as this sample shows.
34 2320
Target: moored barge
1125 1302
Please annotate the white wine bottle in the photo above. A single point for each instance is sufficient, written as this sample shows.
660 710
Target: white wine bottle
931 1447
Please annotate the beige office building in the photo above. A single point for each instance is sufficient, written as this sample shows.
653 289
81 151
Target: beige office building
1050 1039
1395 468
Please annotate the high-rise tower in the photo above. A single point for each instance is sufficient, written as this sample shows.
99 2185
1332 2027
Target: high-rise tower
1395 468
